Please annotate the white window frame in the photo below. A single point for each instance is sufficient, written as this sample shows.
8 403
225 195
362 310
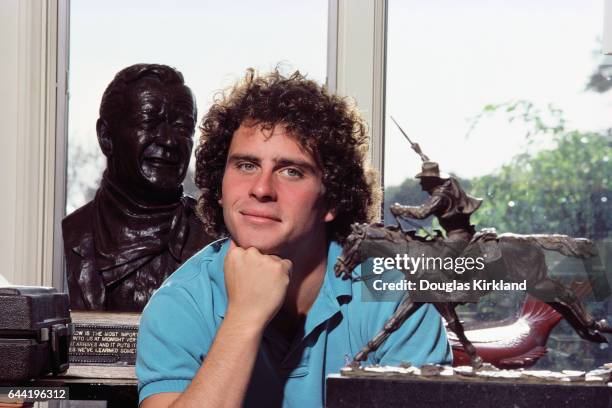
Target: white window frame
355 68
36 49
356 60
607 28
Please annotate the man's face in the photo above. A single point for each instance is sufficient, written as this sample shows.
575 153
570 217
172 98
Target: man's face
272 193
428 184
153 138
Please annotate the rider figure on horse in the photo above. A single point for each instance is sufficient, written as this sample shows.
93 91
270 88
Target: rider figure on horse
447 202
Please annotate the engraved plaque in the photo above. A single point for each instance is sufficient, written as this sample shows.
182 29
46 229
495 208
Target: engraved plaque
104 338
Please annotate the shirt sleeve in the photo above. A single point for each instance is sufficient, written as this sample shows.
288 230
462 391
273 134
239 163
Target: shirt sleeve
173 339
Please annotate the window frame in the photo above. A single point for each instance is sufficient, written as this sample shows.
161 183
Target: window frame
607 28
359 62
40 42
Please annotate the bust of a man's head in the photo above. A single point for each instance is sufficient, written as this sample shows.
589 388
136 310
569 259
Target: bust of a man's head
146 125
139 227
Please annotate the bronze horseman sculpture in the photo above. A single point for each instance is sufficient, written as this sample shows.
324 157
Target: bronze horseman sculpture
448 202
121 246
515 258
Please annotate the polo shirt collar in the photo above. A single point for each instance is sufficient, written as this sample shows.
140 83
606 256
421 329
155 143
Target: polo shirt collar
331 295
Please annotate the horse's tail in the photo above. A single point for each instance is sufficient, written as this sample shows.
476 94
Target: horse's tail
541 317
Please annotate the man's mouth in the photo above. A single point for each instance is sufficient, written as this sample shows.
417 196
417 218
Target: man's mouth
259 216
161 161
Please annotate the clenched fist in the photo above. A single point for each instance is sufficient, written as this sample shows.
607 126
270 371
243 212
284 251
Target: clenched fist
256 284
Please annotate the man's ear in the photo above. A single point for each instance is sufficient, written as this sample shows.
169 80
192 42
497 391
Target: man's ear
104 138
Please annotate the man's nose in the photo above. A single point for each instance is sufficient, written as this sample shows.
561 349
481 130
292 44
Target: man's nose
165 136
263 187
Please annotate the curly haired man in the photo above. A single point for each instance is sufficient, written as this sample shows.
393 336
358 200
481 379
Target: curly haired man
258 318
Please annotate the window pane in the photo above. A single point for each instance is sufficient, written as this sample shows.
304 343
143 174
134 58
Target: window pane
514 99
210 42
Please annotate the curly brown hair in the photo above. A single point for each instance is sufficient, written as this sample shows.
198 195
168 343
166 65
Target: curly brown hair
326 125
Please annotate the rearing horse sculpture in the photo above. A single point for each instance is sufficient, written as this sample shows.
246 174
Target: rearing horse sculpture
522 259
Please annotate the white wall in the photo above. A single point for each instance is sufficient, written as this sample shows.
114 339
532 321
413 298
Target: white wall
9 16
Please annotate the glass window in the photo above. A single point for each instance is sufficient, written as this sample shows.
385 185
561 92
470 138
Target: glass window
210 42
512 98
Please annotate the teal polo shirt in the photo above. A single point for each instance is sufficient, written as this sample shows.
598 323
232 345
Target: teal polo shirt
179 323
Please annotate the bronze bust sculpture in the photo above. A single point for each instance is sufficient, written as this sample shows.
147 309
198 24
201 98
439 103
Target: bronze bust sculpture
140 227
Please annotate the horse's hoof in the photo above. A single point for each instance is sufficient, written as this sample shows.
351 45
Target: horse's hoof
339 268
477 362
359 357
593 335
603 326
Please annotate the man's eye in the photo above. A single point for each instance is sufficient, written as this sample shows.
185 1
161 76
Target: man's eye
148 123
292 173
246 167
182 127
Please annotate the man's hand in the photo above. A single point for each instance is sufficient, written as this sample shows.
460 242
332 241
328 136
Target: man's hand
256 284
396 209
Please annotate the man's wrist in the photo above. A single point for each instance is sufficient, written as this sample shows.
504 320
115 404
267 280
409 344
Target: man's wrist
249 324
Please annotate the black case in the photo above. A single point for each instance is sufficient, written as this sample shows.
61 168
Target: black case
35 332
